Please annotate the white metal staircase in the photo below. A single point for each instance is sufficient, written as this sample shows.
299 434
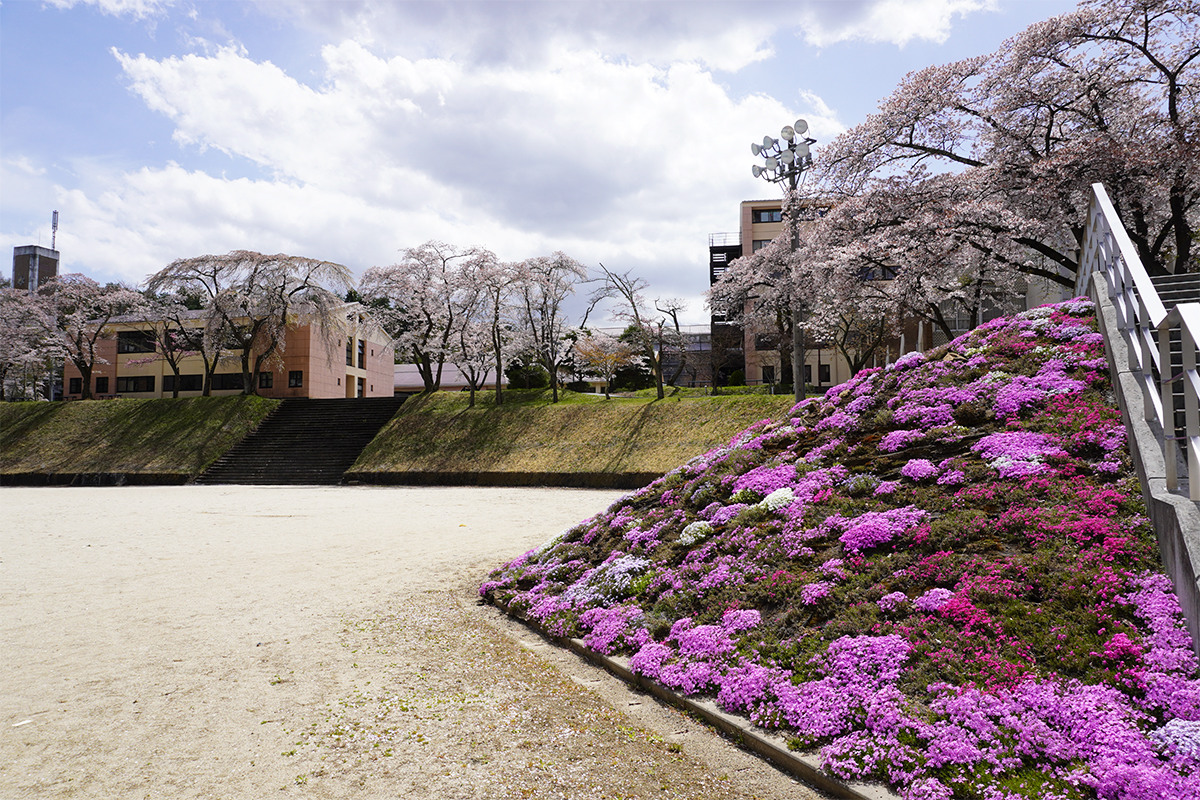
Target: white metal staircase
1151 329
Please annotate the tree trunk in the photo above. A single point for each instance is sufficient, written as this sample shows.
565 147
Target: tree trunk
85 372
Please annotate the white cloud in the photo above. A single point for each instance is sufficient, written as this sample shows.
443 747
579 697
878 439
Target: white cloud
622 162
895 22
724 35
137 9
721 35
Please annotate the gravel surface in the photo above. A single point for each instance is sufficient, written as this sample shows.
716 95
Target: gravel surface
242 642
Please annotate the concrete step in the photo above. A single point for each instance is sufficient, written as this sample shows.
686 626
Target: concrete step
304 442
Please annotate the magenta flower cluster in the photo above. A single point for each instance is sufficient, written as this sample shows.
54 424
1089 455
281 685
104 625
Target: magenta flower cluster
939 575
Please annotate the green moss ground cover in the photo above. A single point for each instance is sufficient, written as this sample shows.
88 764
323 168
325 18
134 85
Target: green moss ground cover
583 433
167 436
938 575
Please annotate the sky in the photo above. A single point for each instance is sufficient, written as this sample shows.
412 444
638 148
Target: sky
618 133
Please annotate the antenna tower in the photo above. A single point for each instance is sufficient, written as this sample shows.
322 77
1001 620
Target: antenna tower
53 229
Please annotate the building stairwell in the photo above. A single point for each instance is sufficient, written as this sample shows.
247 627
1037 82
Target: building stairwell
304 442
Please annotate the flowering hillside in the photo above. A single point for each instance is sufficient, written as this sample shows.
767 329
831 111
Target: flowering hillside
939 576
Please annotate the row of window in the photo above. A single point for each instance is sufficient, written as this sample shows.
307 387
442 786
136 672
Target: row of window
187 383
759 215
135 342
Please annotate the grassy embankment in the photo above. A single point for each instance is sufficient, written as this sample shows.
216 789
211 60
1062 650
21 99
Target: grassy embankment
582 440
148 437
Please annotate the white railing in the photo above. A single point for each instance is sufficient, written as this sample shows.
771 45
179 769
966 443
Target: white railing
1142 318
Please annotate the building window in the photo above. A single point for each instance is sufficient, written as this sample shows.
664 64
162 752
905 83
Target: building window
295 379
763 341
76 386
135 383
227 380
362 387
135 342
766 215
768 373
350 352
102 385
759 244
362 354
822 373
187 383
266 380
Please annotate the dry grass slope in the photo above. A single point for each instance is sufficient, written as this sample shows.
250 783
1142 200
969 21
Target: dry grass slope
587 434
163 436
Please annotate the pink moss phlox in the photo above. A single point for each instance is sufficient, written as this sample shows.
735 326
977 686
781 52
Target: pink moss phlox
952 478
897 440
736 621
722 514
918 469
813 593
767 479
1023 391
1017 453
933 599
873 528
840 420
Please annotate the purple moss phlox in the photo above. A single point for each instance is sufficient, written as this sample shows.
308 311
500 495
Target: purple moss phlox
986 619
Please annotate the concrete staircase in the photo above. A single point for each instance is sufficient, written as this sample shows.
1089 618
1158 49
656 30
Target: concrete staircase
304 442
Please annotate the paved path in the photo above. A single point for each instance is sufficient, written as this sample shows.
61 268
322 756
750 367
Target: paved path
240 642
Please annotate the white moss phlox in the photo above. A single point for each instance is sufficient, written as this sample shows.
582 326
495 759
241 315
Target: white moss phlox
695 532
780 498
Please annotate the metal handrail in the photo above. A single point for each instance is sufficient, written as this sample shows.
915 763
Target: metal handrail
1108 252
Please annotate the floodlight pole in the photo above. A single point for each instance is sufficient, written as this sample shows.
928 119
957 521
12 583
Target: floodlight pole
785 162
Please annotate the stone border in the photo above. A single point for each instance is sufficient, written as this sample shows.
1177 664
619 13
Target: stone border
1176 519
764 744
94 479
577 480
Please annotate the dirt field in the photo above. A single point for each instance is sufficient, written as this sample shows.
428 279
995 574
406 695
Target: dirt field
244 642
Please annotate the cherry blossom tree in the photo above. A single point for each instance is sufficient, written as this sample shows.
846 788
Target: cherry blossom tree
497 284
545 282
252 299
27 353
75 313
176 331
424 293
876 249
1006 145
762 291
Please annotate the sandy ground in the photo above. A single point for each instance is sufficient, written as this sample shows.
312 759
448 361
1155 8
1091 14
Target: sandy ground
241 642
